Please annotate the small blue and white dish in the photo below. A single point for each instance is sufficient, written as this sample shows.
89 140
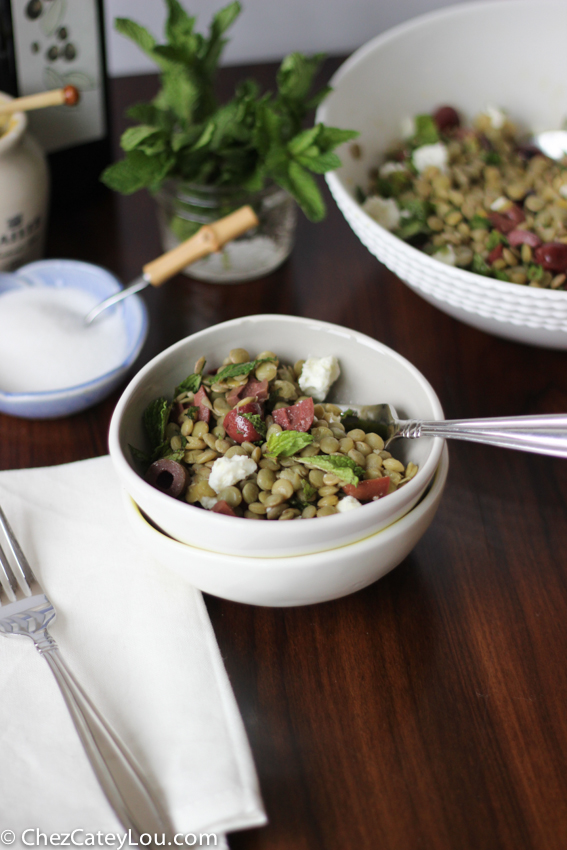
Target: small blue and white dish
54 404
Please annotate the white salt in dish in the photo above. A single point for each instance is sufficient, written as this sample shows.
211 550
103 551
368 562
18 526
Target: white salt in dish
51 364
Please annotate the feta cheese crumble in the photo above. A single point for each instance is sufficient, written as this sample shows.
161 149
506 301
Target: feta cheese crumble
446 255
349 503
391 168
384 211
431 155
407 127
500 203
208 502
316 377
226 471
497 116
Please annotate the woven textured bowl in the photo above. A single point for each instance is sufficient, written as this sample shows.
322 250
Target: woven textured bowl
467 56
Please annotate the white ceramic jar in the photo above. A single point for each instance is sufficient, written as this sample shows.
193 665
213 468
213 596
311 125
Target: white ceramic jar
24 191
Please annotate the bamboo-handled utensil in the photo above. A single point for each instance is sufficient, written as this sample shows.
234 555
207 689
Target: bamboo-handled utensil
211 237
69 96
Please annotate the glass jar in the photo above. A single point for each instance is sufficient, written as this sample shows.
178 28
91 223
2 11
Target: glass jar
184 207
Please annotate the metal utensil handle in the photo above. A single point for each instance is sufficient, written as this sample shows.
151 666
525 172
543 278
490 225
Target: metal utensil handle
540 434
117 772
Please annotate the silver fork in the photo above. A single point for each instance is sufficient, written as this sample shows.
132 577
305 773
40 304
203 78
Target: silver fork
26 611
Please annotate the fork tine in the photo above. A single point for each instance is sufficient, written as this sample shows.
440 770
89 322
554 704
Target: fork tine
7 574
27 577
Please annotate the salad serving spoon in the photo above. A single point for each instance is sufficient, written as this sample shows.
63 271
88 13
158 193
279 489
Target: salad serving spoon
209 238
544 434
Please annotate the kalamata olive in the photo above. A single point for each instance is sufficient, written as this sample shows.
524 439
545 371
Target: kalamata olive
506 221
446 118
168 476
528 152
552 256
524 237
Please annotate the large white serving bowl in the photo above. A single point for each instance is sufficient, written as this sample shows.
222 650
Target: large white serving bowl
370 373
509 53
300 580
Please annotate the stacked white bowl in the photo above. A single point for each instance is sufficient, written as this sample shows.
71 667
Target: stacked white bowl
507 53
284 563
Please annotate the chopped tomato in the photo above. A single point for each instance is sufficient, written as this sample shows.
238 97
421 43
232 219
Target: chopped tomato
368 490
238 427
222 507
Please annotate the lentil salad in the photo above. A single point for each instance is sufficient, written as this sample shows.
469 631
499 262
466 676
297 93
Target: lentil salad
475 197
246 440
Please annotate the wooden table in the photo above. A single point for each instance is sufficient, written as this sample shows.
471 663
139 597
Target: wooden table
427 711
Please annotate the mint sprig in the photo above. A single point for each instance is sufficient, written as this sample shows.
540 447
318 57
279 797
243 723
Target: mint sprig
254 138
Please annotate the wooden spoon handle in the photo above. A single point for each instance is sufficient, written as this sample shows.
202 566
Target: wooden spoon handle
68 96
211 237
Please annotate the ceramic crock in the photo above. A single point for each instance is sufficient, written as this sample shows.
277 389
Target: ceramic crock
24 190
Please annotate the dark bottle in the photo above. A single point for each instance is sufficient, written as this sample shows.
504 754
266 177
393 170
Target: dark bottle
47 44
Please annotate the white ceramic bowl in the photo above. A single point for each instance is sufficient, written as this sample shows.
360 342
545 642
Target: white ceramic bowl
301 580
468 56
96 280
371 373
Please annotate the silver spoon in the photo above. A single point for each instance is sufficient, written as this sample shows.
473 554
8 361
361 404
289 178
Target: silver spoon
210 237
545 434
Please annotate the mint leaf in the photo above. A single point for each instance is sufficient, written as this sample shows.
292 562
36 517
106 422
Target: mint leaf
306 192
288 443
332 137
233 370
535 272
138 34
303 140
179 26
491 158
154 419
494 239
191 383
309 492
426 132
140 457
478 222
136 171
257 422
320 163
134 136
479 266
343 467
296 73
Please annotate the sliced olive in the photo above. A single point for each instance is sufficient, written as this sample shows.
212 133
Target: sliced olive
168 476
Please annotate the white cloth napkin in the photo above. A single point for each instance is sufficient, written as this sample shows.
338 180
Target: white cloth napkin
139 640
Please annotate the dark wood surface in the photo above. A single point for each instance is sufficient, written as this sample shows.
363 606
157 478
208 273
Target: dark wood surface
428 710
